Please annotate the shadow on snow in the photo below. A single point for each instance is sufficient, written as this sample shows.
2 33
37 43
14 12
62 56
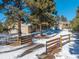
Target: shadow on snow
75 47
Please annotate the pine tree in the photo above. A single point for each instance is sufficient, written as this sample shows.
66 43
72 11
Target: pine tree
42 11
14 11
75 22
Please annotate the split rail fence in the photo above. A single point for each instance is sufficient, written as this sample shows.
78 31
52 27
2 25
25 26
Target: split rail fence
15 41
54 46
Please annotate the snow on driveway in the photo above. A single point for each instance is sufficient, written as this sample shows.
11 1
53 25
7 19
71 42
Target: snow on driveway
34 53
11 55
15 54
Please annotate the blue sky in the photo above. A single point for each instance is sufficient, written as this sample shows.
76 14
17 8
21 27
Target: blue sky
2 17
0 1
66 8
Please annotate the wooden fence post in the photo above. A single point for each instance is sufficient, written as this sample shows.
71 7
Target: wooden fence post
61 41
69 37
18 41
46 47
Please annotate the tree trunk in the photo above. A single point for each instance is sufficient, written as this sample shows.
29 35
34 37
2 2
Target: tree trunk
40 29
19 28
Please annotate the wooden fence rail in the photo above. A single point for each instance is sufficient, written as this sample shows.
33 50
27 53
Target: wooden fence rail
15 41
54 46
23 40
65 38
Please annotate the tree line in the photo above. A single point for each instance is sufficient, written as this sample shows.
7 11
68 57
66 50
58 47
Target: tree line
75 22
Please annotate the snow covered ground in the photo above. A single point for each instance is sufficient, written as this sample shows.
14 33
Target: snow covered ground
69 51
65 54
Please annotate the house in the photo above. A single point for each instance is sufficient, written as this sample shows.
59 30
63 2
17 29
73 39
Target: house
25 29
62 22
64 25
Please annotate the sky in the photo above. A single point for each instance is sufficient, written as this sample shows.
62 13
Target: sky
66 8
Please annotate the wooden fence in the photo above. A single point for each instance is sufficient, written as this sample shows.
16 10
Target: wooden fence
15 41
64 39
23 40
53 46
